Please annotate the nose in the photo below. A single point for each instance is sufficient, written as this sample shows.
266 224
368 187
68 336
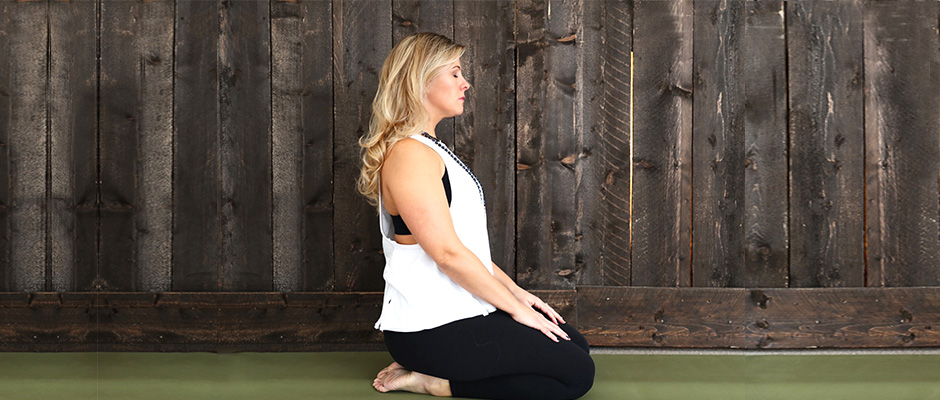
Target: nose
465 86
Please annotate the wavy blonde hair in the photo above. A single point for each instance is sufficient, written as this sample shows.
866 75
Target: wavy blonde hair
398 108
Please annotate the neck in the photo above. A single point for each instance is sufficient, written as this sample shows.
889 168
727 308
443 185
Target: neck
429 126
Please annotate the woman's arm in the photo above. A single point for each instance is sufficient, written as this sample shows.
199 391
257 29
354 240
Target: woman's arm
412 175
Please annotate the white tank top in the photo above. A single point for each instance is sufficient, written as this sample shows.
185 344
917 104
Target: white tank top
418 295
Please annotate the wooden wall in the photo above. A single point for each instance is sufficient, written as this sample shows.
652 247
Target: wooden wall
670 173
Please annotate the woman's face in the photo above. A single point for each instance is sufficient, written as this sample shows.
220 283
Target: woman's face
445 93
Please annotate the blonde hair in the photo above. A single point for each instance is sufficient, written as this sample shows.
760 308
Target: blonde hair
398 108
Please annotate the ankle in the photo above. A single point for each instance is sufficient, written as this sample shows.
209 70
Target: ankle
439 387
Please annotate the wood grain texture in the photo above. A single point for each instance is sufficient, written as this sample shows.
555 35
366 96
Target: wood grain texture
755 319
7 84
245 122
606 193
485 132
662 144
602 243
547 150
318 131
154 212
289 89
718 190
196 205
902 148
361 41
759 318
73 253
27 137
662 317
199 321
843 318
766 256
827 225
410 16
119 134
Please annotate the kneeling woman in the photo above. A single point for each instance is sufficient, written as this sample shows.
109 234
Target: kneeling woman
454 322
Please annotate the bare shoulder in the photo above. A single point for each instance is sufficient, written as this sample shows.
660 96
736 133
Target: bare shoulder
410 154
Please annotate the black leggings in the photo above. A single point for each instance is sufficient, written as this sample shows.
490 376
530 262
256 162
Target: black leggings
495 357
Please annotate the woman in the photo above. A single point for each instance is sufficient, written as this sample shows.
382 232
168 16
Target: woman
454 322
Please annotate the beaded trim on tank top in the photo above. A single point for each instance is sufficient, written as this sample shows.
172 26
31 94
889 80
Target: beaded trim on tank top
462 165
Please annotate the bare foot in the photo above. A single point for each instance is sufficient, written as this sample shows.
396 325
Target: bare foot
395 377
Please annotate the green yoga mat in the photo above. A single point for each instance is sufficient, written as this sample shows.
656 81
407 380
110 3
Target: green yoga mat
307 376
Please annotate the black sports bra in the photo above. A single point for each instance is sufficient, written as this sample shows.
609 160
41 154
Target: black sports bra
401 228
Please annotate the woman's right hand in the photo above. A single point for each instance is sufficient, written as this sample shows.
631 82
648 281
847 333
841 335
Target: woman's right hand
533 319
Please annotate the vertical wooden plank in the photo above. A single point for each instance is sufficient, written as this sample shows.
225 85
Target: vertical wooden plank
154 218
73 251
902 87
135 145
302 130
28 144
318 146
766 258
485 130
245 123
662 143
25 137
546 143
6 115
117 143
827 230
196 208
606 115
287 149
361 41
409 16
718 141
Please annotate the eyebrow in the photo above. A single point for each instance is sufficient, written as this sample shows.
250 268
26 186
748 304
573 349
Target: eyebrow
456 66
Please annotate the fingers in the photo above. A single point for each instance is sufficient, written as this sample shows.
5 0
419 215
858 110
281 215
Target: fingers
554 332
550 335
553 315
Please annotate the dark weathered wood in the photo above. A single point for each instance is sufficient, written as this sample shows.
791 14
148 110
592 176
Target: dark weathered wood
196 204
547 150
589 123
27 129
7 30
72 256
361 41
193 321
318 146
902 148
485 137
607 316
606 106
302 146
662 317
245 122
118 138
154 210
662 143
765 146
759 318
827 225
409 16
718 190
843 317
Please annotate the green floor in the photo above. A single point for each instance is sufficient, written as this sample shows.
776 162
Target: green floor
287 376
